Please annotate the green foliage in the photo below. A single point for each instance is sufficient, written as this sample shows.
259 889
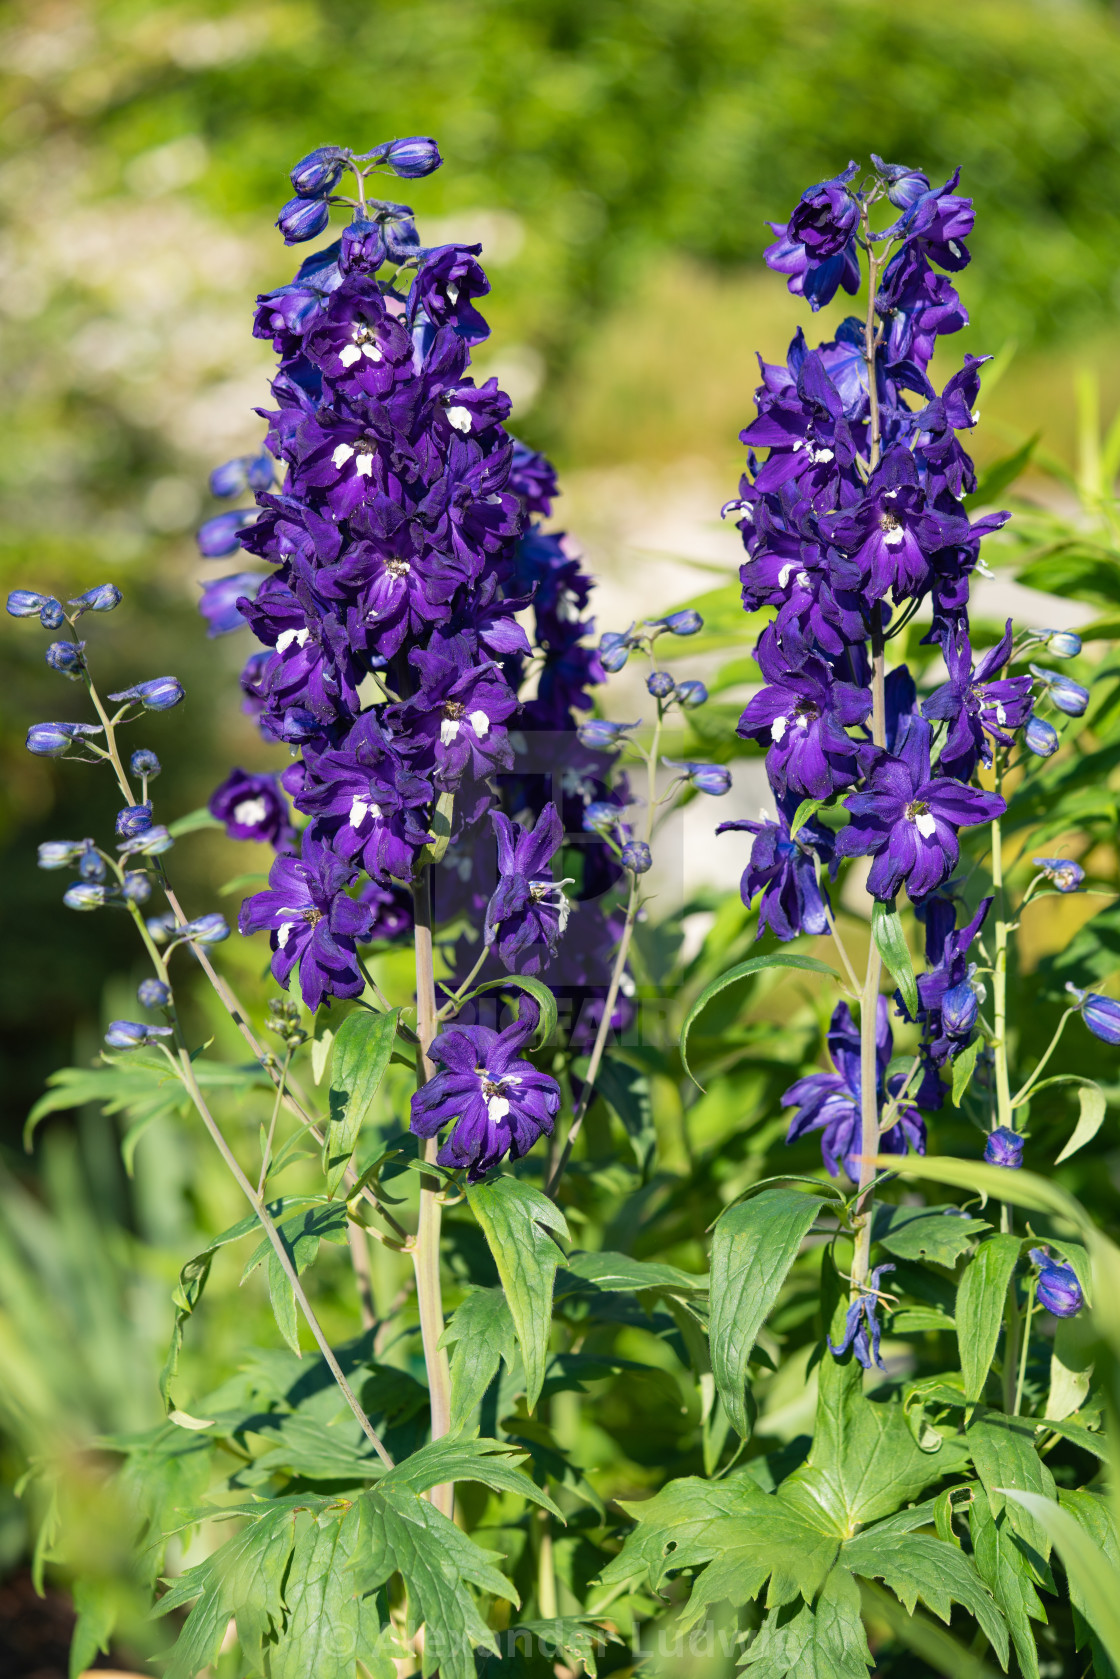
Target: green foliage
980 1305
516 1221
359 1056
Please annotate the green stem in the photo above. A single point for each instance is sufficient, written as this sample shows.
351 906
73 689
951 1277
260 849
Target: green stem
425 1251
266 1153
1026 1345
1018 1100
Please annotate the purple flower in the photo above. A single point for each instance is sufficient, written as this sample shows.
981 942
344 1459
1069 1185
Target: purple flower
319 172
133 820
459 713
1041 737
908 819
861 1325
714 779
86 896
1058 1288
637 857
159 693
410 158
814 278
533 477
445 283
528 911
499 1104
369 805
153 994
312 922
1063 644
54 740
785 872
1004 1147
219 535
1069 696
916 306
1100 1014
830 1102
391 907
936 223
25 603
302 218
802 715
1062 872
144 763
68 658
252 807
977 708
826 216
104 597
893 534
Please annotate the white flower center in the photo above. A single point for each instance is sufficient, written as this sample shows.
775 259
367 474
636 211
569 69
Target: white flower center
925 825
448 730
342 454
250 811
361 808
778 728
291 638
480 723
460 418
452 291
283 932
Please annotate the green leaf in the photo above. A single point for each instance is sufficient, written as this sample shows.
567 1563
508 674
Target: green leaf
799 1642
440 828
1005 1458
753 1248
979 1310
1091 1559
96 1604
192 822
515 1220
806 809
480 1335
754 965
359 1056
936 1234
1071 1369
917 1566
535 988
627 1090
886 930
964 1065
575 1641
680 1527
490 1462
1092 1104
1002 1564
929 1641
618 1273
301 1237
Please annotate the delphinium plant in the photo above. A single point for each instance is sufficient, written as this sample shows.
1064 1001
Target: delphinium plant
460 922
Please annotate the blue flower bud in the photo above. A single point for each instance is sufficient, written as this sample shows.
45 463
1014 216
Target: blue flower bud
613 659
302 218
150 842
85 896
319 172
61 854
54 740
261 471
161 927
218 536
600 817
1063 644
412 158
104 598
153 994
205 929
1067 695
1004 1148
67 657
959 1009
691 694
1102 1016
136 886
706 778
91 865
660 684
1063 872
610 639
600 733
133 820
133 1034
144 762
230 479
25 603
1058 1288
1041 737
159 693
636 856
52 616
686 622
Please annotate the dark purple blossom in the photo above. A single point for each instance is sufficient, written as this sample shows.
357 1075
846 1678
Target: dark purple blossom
978 706
528 911
861 1324
893 534
802 716
785 871
1058 1288
1004 1147
830 1102
908 819
252 807
220 597
499 1103
312 923
1101 1014
445 283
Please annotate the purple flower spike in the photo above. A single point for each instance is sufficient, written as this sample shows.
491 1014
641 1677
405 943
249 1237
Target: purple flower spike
312 922
861 1325
499 1104
908 819
1058 1288
830 1102
528 911
1004 1147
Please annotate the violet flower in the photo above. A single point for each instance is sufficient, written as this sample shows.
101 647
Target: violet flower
861 1325
908 819
1058 1288
893 533
802 715
527 912
785 872
251 807
830 1102
312 922
499 1104
978 706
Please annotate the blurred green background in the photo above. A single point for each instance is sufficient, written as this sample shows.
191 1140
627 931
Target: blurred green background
618 159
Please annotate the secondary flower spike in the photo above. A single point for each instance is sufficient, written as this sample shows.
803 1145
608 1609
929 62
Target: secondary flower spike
497 1103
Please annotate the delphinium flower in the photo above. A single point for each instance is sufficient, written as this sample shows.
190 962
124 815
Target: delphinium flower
948 998
978 706
1057 1286
830 1102
1062 872
786 870
1100 1014
862 1331
497 1102
1004 1147
252 807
